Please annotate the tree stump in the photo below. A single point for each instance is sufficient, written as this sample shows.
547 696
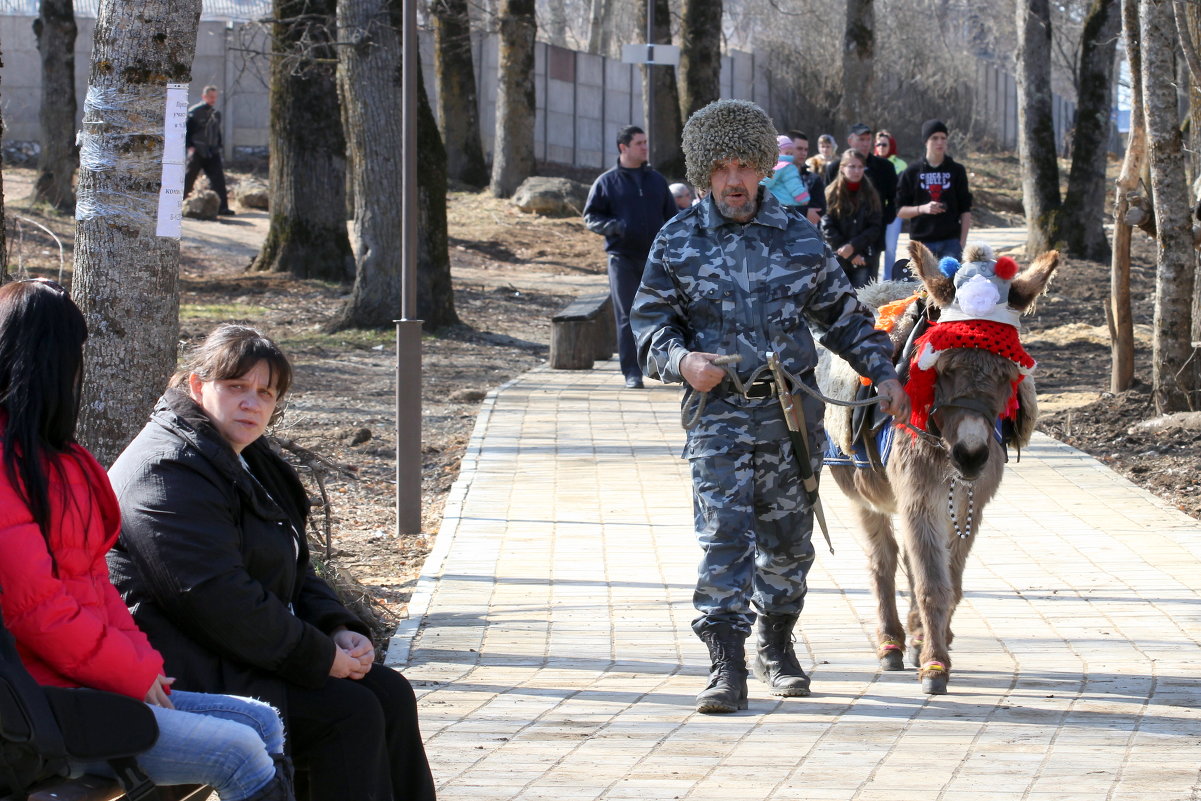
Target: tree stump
582 332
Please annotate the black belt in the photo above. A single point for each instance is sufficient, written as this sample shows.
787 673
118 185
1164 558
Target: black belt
764 387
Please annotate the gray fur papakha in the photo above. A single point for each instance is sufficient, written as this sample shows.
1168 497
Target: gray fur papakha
728 129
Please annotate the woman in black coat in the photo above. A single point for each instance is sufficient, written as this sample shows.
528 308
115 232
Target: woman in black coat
854 219
213 562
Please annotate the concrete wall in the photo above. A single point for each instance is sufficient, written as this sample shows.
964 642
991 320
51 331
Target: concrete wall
582 99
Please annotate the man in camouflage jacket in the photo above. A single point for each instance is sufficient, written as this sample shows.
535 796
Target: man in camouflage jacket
739 274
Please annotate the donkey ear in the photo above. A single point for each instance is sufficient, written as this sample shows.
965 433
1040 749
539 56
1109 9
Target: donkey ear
940 286
1032 282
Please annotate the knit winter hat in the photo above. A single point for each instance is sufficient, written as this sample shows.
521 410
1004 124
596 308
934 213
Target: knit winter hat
931 127
728 129
782 142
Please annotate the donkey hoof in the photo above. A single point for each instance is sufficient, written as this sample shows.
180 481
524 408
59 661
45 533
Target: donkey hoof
914 653
935 684
892 660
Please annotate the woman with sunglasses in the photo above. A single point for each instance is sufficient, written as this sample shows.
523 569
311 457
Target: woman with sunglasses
58 518
886 148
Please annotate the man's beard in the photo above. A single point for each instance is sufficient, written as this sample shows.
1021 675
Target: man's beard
744 211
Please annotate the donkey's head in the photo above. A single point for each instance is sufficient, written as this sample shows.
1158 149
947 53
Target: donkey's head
965 372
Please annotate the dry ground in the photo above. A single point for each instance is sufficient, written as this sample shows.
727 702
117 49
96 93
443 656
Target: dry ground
511 271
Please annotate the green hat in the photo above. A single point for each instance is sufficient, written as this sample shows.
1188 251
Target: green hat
728 129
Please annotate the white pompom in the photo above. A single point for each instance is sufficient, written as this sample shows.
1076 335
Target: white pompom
978 296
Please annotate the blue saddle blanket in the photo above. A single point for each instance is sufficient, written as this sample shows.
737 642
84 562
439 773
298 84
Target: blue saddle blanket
834 455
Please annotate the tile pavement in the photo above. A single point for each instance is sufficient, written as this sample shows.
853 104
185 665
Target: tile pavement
551 648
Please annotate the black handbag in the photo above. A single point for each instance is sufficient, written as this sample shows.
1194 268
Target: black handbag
48 732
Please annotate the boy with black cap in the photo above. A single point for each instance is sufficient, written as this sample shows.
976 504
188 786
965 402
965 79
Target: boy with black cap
933 193
883 177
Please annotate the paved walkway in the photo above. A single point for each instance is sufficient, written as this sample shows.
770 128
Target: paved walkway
556 662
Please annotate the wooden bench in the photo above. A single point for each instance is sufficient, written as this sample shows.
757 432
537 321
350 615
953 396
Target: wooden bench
95 788
583 332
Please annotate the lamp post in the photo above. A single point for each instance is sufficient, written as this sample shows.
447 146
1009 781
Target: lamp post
408 329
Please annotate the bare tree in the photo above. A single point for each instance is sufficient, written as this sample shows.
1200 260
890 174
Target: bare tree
55 31
513 151
556 27
1118 313
125 275
1036 128
307 237
457 99
1173 383
700 55
600 28
665 153
1084 204
858 60
370 91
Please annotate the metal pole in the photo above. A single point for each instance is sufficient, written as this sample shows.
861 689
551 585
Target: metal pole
650 75
408 330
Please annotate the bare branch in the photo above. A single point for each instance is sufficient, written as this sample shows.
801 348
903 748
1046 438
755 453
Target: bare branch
1186 42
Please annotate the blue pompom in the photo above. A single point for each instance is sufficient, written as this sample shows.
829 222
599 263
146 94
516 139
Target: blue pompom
948 266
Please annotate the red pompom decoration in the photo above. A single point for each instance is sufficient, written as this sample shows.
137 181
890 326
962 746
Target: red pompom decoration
1006 268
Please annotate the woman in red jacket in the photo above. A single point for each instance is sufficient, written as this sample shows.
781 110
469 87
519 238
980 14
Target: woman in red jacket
58 518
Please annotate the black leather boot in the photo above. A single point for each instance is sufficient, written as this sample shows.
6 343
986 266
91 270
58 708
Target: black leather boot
280 788
727 671
776 664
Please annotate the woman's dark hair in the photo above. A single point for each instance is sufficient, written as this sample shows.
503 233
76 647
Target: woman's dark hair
840 200
231 351
41 371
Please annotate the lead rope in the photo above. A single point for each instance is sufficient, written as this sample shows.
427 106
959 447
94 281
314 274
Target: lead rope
966 531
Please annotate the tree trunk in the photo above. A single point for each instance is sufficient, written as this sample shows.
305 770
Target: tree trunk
600 26
457 99
556 24
125 275
513 154
1173 384
1188 23
55 31
1121 323
665 153
1036 128
858 61
1084 204
371 93
700 55
307 237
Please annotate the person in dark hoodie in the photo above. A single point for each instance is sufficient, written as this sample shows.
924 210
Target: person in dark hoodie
212 561
628 205
933 195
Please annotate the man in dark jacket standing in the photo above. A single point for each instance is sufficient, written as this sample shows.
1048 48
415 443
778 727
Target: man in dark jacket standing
933 193
628 205
204 142
882 175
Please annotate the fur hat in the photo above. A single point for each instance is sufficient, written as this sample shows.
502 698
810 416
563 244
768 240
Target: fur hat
728 129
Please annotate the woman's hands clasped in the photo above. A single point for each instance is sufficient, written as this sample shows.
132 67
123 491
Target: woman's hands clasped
353 655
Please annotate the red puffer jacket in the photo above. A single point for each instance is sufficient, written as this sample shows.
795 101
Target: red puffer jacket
72 628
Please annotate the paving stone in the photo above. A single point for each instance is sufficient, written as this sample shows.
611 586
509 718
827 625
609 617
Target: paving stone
551 650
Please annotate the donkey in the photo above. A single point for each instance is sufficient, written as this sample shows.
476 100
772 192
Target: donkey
937 480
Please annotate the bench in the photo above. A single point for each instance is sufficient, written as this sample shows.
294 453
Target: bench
583 332
95 788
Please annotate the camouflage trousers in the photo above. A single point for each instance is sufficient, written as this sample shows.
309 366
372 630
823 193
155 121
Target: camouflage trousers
753 521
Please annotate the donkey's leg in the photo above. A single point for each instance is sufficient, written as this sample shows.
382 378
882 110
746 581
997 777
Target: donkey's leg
882 563
913 622
960 548
925 541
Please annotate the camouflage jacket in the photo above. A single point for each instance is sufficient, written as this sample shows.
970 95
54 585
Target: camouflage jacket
716 286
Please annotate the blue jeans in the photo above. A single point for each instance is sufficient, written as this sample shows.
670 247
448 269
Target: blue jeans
945 247
625 276
223 741
892 233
